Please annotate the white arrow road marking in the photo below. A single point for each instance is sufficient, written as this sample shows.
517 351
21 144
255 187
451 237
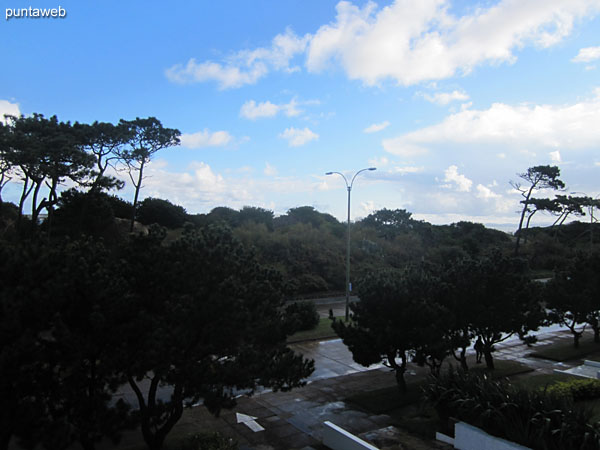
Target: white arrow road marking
249 421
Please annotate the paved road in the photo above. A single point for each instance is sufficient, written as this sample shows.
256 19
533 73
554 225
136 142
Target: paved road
293 420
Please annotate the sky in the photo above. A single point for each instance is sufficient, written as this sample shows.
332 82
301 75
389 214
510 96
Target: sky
449 100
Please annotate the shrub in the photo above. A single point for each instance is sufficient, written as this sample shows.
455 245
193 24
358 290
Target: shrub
162 212
577 389
537 419
302 315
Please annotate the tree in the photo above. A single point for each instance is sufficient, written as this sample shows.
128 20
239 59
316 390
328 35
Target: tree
496 298
105 141
573 296
60 304
567 205
536 178
256 215
208 324
45 153
389 223
393 319
145 138
162 212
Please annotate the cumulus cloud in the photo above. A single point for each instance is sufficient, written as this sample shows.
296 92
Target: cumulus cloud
376 127
459 181
443 98
244 67
572 126
8 108
485 192
252 110
297 137
587 54
414 42
206 138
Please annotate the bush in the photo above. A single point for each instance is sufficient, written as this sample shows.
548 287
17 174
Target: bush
162 212
302 316
536 419
577 389
208 441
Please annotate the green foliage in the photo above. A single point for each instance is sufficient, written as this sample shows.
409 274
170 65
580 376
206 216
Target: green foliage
493 298
60 305
572 295
397 315
577 389
301 316
208 319
535 419
162 212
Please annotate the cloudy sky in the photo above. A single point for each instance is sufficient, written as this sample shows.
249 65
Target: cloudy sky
448 99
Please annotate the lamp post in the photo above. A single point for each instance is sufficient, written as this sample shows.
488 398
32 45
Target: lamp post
349 188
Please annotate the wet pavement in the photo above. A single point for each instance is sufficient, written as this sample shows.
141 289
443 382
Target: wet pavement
294 420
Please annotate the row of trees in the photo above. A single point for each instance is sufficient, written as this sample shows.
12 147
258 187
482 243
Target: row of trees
539 178
198 318
426 313
42 154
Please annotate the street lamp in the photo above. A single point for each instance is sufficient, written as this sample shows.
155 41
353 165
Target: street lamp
349 187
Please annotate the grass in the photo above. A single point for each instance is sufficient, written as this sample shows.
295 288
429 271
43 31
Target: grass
380 401
321 331
565 351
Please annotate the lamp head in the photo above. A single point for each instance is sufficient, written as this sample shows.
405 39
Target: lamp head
372 168
329 173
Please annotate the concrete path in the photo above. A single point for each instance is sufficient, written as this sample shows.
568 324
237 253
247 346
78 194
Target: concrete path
293 420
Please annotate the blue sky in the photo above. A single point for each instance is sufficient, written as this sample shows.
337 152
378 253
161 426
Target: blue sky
448 99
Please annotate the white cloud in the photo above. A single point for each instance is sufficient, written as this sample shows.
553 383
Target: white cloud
462 183
443 98
407 169
572 126
376 127
485 192
555 156
270 170
206 138
587 54
297 137
252 110
414 42
244 67
379 162
367 207
8 108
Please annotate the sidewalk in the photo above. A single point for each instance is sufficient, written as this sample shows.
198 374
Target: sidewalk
294 420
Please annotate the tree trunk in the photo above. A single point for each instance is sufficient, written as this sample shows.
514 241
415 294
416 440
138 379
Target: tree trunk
463 359
489 359
137 193
576 337
519 230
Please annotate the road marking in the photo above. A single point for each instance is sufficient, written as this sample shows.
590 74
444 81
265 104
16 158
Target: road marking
249 421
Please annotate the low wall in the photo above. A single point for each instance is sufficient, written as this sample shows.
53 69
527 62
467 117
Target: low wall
468 437
336 438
